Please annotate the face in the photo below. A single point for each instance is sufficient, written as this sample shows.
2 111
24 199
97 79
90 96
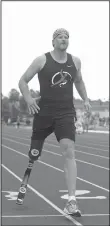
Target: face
61 42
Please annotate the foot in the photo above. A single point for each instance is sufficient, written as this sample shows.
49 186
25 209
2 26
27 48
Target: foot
21 194
71 208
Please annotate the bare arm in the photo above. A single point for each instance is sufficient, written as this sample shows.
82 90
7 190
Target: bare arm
79 83
33 69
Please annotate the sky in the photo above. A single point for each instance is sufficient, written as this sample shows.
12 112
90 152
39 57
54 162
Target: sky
27 29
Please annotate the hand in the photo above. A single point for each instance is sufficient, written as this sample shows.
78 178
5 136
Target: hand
33 105
87 105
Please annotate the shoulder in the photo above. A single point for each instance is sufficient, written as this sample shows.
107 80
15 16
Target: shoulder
40 61
77 62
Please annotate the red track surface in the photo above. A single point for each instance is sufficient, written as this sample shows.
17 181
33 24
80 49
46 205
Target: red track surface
43 204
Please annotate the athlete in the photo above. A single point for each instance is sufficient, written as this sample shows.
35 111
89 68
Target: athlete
54 110
86 119
18 122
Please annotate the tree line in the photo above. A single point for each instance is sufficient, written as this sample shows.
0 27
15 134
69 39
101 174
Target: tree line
14 105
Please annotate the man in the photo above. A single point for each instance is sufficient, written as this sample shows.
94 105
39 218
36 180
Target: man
18 121
79 128
86 119
57 71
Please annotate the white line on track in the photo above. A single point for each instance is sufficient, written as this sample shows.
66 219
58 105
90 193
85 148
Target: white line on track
85 137
44 198
90 147
106 145
101 145
22 216
88 182
89 215
79 146
100 156
57 215
92 164
54 153
57 145
99 131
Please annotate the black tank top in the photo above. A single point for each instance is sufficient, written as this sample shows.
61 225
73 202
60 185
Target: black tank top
56 83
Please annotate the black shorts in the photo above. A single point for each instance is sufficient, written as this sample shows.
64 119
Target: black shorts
63 126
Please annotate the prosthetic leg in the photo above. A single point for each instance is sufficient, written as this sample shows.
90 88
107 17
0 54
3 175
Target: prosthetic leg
34 154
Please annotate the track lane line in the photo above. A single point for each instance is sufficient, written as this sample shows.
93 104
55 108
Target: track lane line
19 216
54 153
26 216
58 146
88 182
100 156
79 146
101 145
89 136
44 198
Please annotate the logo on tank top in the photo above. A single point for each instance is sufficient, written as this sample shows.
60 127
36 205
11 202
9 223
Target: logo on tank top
61 78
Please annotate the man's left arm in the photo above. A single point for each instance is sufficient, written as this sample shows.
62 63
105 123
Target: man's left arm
80 85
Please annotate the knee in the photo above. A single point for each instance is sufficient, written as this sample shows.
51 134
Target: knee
34 154
35 149
68 149
69 153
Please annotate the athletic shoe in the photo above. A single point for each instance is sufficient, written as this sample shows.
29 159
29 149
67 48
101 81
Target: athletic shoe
21 194
71 208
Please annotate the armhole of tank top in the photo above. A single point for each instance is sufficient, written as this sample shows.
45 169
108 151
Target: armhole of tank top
44 64
71 60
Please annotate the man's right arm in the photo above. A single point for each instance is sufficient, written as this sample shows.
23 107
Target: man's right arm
33 69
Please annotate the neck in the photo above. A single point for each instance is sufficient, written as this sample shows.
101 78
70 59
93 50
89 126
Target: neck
59 55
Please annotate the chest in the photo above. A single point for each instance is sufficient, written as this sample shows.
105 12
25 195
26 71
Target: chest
58 73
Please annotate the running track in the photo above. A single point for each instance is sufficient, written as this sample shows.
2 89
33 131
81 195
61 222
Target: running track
47 191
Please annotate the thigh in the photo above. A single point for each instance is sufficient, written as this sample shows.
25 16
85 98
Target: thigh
66 143
42 127
65 127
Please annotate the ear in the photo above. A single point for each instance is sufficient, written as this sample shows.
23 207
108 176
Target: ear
53 43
